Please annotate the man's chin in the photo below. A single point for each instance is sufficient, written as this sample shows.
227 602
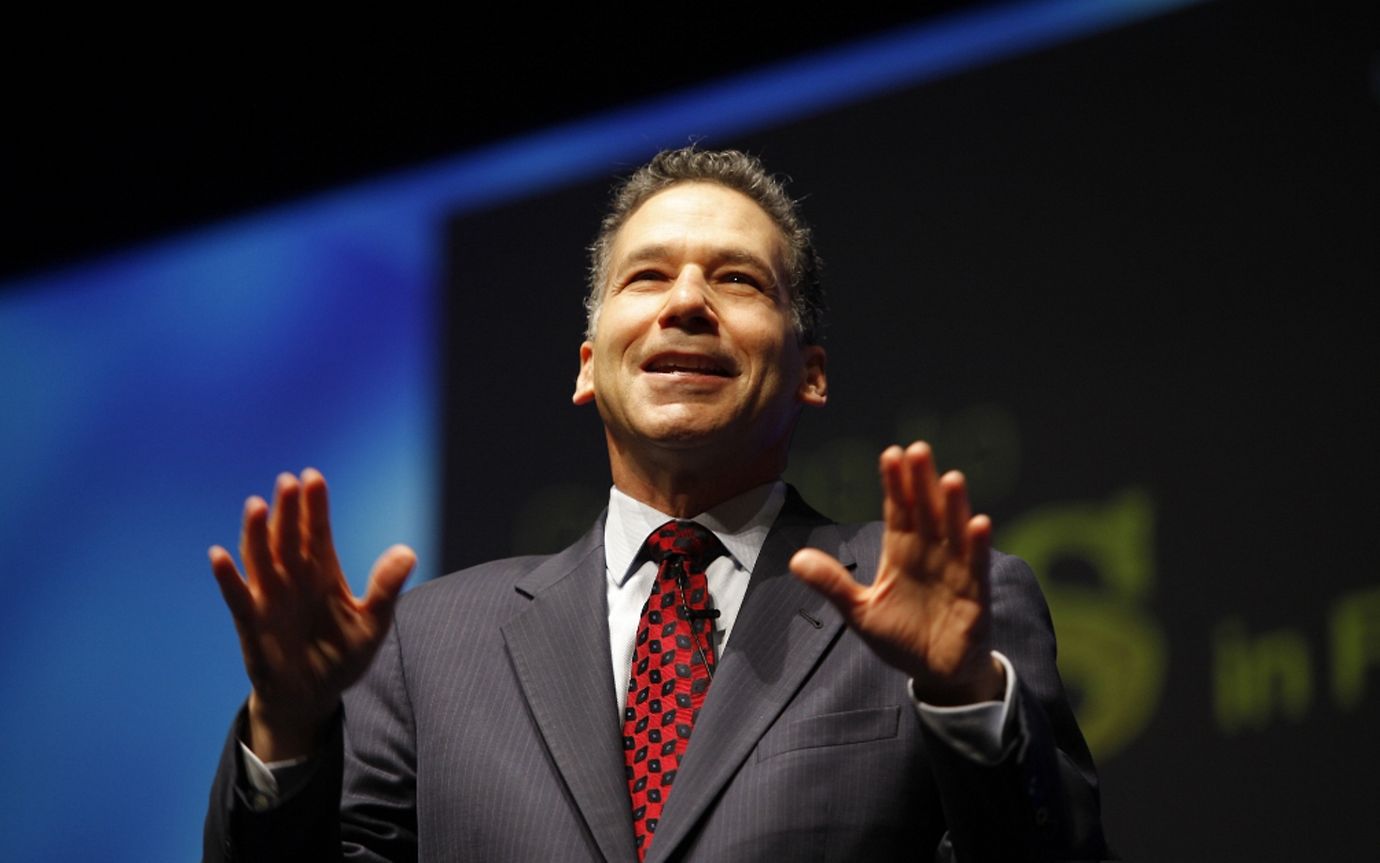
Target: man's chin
682 436
682 433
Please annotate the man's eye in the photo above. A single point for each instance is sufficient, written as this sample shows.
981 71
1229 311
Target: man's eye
646 276
742 279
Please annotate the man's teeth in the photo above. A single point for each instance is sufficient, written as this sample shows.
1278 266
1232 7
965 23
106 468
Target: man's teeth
684 367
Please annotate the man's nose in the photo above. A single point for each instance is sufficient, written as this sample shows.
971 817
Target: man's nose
689 304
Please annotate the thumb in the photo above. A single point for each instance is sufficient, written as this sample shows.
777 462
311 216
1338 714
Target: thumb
829 577
387 578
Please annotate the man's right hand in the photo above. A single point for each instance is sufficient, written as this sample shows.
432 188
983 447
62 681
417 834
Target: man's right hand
304 635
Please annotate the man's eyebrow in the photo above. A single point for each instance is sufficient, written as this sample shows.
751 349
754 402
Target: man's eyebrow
743 257
733 256
644 255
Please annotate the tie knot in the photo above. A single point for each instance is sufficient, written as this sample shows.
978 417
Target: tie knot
688 539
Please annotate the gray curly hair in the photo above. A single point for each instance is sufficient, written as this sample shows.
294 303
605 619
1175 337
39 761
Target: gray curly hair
735 170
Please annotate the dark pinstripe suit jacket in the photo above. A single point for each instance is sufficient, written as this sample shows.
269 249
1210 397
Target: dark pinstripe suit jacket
487 730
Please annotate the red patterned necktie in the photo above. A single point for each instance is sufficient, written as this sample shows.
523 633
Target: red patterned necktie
672 665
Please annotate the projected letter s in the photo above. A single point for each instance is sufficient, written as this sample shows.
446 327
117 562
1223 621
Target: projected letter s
1111 653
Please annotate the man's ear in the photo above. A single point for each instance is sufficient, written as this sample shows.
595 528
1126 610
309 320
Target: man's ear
814 383
584 381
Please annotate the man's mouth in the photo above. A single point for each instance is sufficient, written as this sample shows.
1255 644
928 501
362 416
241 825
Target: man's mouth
688 364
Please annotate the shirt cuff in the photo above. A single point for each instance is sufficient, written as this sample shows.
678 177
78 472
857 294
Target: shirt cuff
979 730
271 782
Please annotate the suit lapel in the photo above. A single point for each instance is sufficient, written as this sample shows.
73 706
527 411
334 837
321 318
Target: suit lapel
560 651
782 630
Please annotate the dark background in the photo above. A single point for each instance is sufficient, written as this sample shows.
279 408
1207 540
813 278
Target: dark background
115 135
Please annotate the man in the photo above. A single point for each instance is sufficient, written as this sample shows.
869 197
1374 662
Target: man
664 689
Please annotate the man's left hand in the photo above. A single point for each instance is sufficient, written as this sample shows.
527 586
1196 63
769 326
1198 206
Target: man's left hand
928 611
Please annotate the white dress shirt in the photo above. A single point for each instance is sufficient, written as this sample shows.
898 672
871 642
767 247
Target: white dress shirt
741 524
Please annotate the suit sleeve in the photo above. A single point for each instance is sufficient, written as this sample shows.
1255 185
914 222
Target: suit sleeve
360 798
303 826
1040 802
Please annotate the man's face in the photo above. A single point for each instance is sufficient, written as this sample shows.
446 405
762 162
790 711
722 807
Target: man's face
694 343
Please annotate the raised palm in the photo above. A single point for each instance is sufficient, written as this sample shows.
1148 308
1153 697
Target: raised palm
305 637
927 611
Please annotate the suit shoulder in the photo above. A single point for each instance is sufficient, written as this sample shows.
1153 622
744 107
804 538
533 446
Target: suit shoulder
485 591
491 575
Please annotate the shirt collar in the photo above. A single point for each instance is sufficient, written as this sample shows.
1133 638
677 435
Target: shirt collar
741 523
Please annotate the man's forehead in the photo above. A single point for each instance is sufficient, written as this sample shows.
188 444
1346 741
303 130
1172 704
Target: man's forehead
739 227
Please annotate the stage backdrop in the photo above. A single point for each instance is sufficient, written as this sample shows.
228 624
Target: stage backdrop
1114 259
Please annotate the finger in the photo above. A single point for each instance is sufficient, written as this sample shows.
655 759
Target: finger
924 487
316 516
258 561
232 587
979 534
829 577
897 512
956 510
284 529
386 581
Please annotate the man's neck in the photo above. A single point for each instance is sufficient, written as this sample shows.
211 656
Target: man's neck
686 494
683 483
684 499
